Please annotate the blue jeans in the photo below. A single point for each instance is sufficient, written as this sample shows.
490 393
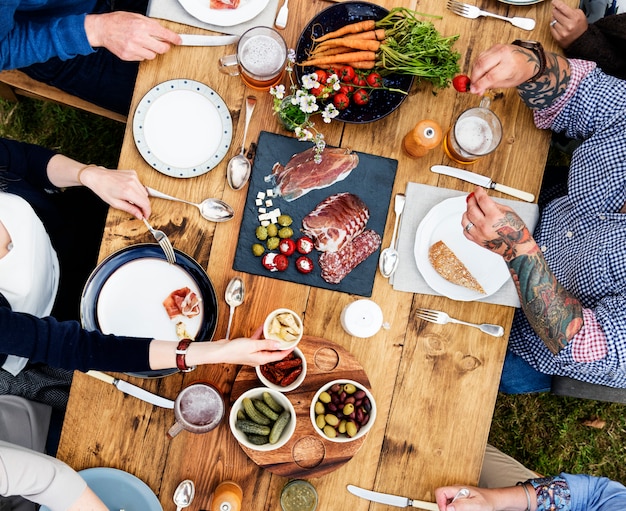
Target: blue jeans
519 377
101 77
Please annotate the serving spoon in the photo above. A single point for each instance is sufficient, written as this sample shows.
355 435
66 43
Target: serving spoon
183 494
238 169
235 291
214 210
389 258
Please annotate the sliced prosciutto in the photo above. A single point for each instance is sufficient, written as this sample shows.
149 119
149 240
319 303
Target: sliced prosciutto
336 265
182 302
336 220
224 4
301 174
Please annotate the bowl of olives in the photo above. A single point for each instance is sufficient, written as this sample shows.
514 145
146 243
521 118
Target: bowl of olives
343 411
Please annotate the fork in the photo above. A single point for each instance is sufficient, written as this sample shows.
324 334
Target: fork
473 12
164 241
442 318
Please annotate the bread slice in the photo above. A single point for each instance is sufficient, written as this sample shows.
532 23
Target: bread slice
450 267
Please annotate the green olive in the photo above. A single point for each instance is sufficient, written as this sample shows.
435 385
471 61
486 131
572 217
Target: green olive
285 232
348 409
285 220
320 421
330 432
319 408
331 419
257 249
272 230
342 426
351 429
261 233
272 243
324 397
348 388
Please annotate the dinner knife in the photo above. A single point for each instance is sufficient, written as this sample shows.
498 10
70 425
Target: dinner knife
132 390
481 180
391 500
207 40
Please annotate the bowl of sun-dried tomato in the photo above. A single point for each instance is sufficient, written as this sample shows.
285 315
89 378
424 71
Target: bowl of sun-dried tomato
286 374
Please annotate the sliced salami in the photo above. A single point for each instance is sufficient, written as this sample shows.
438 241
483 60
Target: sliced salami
336 265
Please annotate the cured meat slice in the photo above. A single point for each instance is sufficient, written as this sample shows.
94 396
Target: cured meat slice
182 302
336 265
449 266
301 174
335 221
224 4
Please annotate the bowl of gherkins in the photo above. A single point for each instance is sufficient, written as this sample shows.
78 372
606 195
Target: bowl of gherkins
262 419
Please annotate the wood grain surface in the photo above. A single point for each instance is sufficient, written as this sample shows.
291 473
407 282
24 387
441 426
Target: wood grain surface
435 385
308 454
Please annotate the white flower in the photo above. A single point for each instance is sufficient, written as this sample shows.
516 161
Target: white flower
334 81
303 134
329 113
278 92
310 81
308 104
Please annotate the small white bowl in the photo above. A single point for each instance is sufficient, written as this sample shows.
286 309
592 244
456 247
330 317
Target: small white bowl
257 393
287 388
342 437
284 345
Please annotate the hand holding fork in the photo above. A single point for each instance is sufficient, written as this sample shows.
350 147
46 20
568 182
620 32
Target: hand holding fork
164 241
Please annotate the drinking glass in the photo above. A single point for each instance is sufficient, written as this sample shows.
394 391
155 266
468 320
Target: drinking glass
476 133
198 408
260 58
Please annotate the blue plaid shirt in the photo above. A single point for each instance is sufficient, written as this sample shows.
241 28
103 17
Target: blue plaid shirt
583 235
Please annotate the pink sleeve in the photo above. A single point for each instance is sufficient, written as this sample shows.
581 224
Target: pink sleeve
590 343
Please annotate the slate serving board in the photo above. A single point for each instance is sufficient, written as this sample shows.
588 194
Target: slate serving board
372 180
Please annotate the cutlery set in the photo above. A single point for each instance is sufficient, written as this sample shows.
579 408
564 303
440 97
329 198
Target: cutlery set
473 12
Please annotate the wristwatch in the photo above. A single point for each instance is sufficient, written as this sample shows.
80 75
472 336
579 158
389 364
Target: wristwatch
181 351
537 49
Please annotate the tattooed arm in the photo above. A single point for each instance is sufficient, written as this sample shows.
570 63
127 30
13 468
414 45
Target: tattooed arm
553 312
504 66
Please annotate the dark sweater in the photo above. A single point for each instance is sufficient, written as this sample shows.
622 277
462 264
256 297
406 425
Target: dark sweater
604 42
64 344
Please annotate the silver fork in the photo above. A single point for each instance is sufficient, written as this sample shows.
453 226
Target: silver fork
473 12
164 241
442 318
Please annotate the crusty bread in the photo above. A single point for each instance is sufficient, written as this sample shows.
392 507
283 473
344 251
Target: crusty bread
451 268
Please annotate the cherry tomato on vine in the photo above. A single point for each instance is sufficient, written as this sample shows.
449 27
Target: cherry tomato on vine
461 83
374 80
322 76
361 97
359 81
346 89
341 101
346 74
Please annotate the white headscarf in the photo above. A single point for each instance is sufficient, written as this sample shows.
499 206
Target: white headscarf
29 273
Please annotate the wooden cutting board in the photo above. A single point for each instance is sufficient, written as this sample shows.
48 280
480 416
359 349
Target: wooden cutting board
307 454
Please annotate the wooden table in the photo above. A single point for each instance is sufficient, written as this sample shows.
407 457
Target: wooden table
435 385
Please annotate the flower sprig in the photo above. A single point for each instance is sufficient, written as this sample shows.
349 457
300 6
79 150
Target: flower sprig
296 113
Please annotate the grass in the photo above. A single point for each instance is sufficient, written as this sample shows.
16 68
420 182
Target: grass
545 432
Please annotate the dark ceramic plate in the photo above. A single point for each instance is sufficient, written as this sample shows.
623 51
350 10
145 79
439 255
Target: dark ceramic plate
124 295
382 102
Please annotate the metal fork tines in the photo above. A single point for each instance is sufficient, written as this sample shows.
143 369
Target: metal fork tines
473 12
441 318
164 241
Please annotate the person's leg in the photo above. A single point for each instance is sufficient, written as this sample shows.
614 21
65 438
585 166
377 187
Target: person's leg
519 377
500 470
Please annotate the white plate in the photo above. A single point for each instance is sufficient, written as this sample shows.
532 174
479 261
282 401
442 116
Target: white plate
520 2
182 128
201 10
443 222
119 490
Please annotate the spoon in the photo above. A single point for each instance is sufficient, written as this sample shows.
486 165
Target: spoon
212 209
183 494
238 170
234 297
388 262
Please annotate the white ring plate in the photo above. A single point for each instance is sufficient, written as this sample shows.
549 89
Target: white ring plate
182 128
200 9
443 222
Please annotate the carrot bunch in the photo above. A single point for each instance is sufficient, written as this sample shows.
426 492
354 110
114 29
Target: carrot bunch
399 43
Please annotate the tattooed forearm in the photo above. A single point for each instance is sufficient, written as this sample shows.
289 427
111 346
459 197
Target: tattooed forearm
553 312
512 234
544 91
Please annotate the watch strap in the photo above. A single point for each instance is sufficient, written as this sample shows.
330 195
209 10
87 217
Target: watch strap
537 49
181 352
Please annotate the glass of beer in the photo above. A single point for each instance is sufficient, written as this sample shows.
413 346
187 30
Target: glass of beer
260 58
198 408
476 133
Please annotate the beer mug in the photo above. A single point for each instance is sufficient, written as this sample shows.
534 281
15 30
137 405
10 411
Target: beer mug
260 59
198 408
476 133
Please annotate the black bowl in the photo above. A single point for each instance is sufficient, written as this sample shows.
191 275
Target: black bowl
382 102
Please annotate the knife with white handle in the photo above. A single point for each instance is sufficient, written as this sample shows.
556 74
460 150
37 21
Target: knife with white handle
132 390
484 181
391 500
208 40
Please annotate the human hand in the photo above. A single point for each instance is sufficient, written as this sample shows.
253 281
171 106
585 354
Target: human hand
121 189
502 66
129 35
570 23
252 351
477 500
495 226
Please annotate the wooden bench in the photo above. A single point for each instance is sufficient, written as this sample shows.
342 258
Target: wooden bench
564 386
14 83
